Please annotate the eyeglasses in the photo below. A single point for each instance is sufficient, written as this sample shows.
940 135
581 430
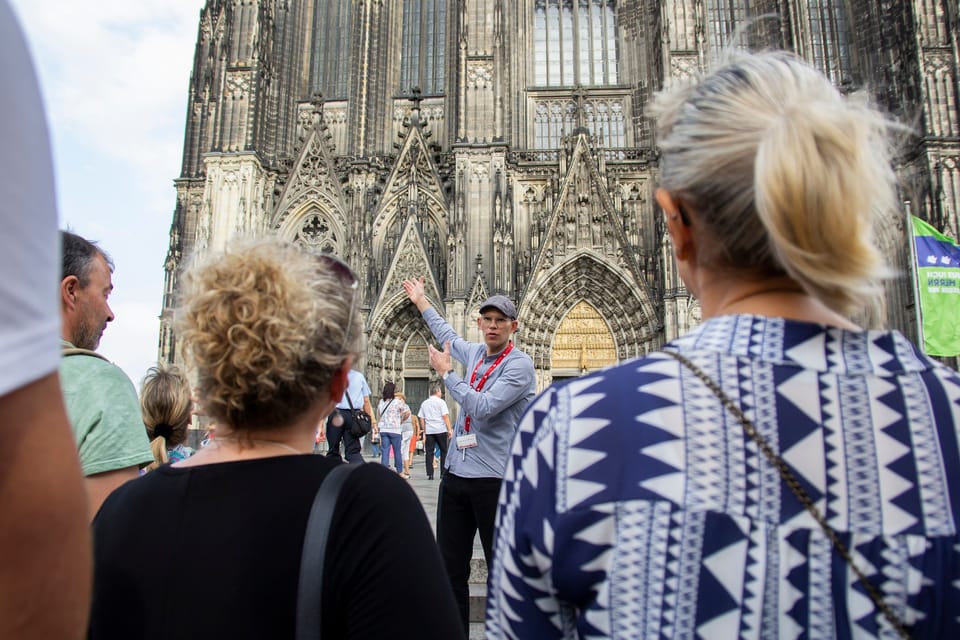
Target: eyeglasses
349 281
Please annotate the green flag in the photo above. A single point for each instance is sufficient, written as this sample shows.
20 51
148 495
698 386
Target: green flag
938 285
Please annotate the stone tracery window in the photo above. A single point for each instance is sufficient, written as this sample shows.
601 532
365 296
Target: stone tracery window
605 121
330 51
724 17
829 39
574 42
555 118
422 57
316 232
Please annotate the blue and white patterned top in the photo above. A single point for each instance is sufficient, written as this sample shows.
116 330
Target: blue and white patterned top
634 505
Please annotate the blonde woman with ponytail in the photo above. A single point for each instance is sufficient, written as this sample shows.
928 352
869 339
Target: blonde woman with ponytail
166 405
779 471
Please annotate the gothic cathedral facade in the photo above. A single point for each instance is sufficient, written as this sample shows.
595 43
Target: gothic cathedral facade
503 146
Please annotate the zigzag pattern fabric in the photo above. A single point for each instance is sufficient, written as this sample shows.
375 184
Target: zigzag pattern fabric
635 506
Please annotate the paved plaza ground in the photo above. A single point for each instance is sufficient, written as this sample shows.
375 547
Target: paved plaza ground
427 492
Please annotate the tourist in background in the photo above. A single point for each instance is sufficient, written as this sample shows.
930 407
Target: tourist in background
101 401
167 408
340 422
407 430
652 499
435 421
390 415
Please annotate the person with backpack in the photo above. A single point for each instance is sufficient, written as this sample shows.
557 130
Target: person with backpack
340 424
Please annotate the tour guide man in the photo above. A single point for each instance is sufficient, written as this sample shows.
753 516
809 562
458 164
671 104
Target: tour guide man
500 383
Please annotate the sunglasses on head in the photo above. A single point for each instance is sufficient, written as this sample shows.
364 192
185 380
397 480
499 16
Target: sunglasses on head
349 281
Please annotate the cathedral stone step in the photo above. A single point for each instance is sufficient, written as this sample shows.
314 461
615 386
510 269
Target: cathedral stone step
478 601
478 588
476 631
478 569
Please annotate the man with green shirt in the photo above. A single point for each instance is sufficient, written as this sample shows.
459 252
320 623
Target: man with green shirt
101 401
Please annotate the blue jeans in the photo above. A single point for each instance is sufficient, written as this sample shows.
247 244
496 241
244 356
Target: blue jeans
388 440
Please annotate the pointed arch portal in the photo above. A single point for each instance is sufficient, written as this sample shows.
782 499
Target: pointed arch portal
583 342
623 309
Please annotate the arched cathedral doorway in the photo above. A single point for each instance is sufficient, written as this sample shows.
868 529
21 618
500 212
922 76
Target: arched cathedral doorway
416 371
582 343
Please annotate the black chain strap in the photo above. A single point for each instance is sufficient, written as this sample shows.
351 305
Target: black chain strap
798 490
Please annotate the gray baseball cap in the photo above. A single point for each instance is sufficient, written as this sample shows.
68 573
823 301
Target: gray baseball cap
501 304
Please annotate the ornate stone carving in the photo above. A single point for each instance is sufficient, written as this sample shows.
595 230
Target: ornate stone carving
583 341
334 116
416 355
306 119
316 232
935 61
410 262
479 172
479 74
683 66
238 83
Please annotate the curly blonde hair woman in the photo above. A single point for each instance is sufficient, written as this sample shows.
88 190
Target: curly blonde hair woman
641 501
167 407
271 329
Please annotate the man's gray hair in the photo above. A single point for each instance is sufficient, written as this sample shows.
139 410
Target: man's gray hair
78 255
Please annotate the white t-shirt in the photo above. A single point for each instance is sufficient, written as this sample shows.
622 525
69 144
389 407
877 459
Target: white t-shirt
29 240
431 412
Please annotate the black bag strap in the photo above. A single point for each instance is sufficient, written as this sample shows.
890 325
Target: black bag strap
310 585
387 407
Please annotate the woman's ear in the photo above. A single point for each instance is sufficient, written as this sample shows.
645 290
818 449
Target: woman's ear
677 225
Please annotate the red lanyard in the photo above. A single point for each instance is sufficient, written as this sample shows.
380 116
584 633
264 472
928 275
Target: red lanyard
483 379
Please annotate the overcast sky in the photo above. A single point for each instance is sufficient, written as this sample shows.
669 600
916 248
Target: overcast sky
115 75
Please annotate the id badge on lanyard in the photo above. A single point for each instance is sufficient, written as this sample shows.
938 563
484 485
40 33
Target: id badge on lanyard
469 440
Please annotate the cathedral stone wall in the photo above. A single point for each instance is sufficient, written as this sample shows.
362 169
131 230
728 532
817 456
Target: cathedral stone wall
522 172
